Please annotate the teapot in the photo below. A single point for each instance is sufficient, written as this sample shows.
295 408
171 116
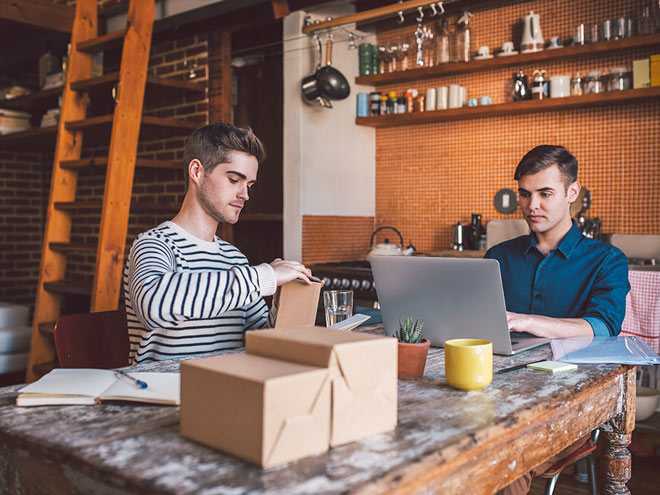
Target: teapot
386 248
532 39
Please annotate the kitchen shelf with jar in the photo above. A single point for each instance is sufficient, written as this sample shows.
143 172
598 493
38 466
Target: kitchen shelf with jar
515 108
569 52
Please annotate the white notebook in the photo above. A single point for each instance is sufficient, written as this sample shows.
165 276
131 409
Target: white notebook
83 386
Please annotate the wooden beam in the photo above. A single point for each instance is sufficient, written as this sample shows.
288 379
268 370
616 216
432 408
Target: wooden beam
280 8
371 15
38 13
122 155
62 187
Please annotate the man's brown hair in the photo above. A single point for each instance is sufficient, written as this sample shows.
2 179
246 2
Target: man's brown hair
547 155
212 144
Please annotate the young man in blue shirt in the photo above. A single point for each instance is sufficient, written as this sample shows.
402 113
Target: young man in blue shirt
557 283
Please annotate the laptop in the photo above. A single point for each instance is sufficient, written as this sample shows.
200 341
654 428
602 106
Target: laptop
455 297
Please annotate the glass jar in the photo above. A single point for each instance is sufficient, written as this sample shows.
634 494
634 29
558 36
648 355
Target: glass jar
593 83
577 84
619 79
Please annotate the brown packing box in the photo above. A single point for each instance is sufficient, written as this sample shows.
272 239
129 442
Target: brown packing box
265 411
363 369
298 303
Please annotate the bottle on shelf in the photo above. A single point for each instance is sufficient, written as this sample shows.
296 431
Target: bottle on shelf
462 40
48 64
442 50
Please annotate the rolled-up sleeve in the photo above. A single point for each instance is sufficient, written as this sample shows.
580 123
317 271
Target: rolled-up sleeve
606 307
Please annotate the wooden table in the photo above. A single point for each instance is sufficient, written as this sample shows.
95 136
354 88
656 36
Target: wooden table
446 441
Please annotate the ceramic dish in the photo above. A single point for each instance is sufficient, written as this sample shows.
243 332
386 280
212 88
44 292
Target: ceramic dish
507 54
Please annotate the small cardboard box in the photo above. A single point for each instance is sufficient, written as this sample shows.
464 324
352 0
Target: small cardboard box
363 369
298 304
655 70
265 411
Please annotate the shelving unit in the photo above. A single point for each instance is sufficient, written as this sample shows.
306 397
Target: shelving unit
570 52
515 108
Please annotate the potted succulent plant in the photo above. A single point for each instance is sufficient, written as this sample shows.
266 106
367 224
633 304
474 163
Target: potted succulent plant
413 348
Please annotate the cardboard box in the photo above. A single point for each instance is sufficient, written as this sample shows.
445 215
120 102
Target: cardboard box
641 73
298 304
655 70
363 369
265 411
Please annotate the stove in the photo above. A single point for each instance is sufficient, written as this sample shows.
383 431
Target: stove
348 275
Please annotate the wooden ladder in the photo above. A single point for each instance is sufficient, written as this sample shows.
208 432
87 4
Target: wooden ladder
120 162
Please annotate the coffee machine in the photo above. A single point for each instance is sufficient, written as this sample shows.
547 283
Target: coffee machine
590 227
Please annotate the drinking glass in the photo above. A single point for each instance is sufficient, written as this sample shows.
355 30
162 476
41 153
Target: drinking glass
338 306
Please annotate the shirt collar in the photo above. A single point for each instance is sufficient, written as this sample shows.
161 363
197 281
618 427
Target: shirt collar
565 246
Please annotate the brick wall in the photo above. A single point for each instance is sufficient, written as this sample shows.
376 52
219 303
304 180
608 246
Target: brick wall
23 196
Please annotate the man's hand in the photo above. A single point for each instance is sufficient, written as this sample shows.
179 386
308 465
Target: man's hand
519 322
286 271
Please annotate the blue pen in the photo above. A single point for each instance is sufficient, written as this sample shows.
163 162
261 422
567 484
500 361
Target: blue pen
135 381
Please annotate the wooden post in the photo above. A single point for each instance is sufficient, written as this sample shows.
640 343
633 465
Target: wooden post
220 93
62 186
122 156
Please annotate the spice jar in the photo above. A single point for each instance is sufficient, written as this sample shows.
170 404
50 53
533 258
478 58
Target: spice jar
577 85
391 102
593 84
374 103
619 79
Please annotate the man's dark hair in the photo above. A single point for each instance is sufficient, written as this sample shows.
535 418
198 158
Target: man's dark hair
212 144
545 156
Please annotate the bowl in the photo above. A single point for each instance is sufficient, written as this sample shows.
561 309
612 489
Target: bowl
647 402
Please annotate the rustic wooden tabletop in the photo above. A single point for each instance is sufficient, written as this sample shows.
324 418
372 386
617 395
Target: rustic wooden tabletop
444 439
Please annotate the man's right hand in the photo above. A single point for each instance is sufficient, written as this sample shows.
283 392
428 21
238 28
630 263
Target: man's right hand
286 271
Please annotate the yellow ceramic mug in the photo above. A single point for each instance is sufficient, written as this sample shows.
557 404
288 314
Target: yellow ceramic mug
469 363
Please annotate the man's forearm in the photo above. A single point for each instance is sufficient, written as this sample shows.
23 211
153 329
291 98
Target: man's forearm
548 327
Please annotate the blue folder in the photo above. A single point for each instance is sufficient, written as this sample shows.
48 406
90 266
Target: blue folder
614 350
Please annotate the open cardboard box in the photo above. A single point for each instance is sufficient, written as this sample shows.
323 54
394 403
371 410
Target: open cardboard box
265 411
363 370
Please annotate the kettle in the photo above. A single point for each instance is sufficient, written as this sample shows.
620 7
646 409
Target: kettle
532 39
386 248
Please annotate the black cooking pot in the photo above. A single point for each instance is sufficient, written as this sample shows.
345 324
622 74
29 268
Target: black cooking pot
327 83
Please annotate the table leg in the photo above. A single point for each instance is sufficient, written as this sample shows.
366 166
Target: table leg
618 462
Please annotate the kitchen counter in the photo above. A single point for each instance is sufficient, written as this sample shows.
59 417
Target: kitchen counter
446 440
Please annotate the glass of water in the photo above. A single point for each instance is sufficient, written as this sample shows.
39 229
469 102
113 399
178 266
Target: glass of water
338 306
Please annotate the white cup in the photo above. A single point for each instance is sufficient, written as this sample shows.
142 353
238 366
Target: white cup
457 96
430 100
507 46
560 86
483 51
442 98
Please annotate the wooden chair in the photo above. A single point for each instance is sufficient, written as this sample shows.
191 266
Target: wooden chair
584 452
92 340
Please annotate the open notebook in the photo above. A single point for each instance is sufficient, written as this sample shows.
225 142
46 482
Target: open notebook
64 386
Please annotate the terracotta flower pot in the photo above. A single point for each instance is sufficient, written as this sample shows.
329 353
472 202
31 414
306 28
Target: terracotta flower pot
412 359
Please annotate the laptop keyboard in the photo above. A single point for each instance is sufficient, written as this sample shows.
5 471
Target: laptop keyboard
516 337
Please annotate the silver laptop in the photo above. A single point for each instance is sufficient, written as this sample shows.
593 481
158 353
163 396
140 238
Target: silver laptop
456 298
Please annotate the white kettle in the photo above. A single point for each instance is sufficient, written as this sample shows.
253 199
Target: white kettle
386 248
532 39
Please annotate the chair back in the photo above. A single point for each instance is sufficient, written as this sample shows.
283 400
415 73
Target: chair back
92 340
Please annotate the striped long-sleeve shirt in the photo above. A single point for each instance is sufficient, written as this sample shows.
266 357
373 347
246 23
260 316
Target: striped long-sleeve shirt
187 296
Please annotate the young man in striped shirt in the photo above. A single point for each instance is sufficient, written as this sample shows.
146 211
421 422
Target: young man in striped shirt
187 291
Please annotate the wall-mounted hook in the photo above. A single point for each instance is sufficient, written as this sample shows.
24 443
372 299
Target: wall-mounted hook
420 10
434 11
441 6
401 19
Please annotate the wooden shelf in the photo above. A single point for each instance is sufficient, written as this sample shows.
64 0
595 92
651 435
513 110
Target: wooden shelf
77 287
66 248
32 139
515 108
151 126
96 205
602 48
102 161
157 88
105 42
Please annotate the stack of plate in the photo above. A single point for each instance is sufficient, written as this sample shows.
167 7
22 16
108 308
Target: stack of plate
15 334
13 121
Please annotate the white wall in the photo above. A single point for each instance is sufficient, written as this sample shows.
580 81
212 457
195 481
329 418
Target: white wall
329 162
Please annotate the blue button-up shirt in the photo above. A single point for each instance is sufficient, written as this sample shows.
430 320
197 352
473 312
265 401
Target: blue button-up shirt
581 278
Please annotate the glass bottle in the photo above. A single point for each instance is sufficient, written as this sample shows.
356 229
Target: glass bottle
442 43
520 90
462 41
